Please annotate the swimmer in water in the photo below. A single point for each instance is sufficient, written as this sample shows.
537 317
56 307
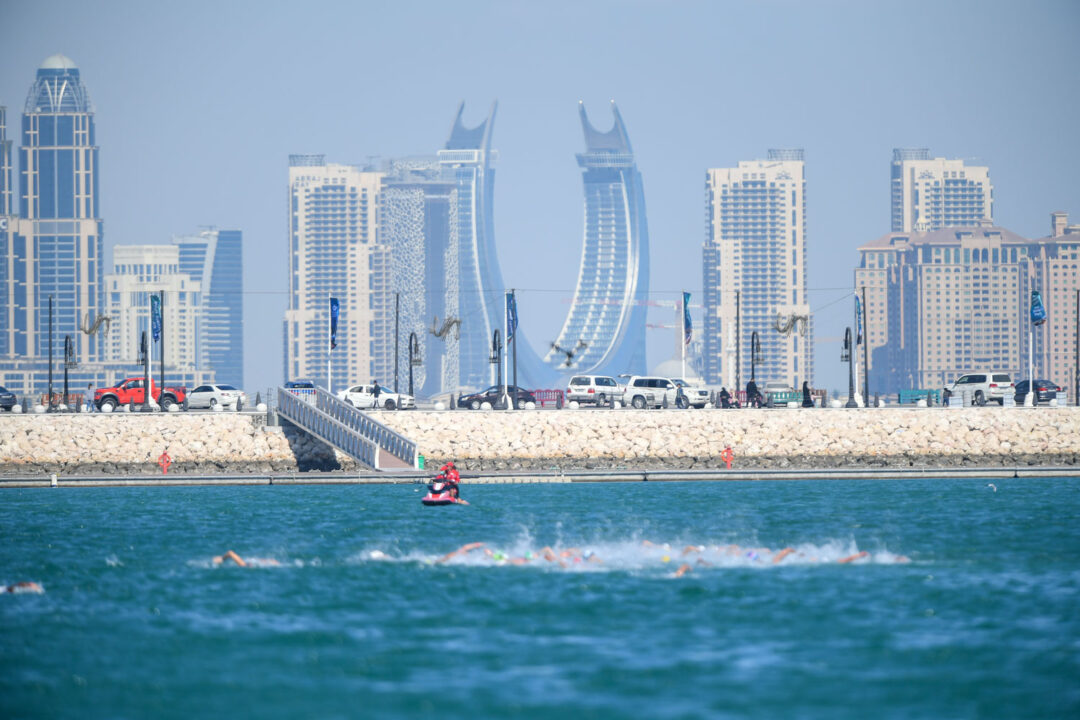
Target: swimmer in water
853 558
683 569
24 587
241 562
463 550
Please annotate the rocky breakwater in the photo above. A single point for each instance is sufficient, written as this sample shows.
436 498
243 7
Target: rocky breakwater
787 438
132 444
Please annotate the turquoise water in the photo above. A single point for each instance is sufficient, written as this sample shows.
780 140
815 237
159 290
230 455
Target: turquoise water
358 620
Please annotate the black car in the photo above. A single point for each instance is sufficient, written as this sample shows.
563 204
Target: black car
1045 391
300 385
7 399
494 395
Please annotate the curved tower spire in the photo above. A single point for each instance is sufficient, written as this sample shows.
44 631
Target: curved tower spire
606 322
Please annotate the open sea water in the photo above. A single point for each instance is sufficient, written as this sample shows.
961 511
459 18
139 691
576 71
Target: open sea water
966 605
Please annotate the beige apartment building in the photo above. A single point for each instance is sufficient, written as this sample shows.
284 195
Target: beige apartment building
140 271
754 268
334 252
957 300
934 193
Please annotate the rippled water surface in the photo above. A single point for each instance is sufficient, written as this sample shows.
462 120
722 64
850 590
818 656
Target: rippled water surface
966 603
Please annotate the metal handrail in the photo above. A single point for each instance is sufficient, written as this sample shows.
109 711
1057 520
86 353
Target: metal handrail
327 428
352 417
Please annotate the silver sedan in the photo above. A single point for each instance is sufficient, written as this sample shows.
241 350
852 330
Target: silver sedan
210 396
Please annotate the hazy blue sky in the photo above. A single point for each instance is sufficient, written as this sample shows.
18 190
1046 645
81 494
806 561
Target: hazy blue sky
199 104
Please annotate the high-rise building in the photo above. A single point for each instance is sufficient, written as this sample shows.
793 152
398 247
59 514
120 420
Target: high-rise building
956 300
934 193
140 271
334 252
214 260
476 294
605 328
754 268
7 250
58 167
414 222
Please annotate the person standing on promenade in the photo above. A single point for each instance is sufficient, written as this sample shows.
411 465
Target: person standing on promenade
375 391
753 397
807 400
725 398
89 397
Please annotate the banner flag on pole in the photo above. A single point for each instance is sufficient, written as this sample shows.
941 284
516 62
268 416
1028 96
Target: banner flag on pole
1038 312
688 329
858 320
511 316
155 316
334 310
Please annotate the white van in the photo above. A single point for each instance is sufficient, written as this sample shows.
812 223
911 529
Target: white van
593 389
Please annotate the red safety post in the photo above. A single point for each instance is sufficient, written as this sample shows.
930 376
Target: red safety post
727 456
165 461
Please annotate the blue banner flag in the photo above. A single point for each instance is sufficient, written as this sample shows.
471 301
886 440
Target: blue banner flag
1038 312
688 329
155 316
511 316
334 310
858 321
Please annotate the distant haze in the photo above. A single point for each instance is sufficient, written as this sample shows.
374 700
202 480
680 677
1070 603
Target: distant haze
199 104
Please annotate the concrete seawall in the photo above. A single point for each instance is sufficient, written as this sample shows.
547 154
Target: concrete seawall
201 444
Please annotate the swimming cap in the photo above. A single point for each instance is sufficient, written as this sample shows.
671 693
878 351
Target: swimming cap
528 555
665 559
587 554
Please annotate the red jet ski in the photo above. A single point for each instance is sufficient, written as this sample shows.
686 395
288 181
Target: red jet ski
441 492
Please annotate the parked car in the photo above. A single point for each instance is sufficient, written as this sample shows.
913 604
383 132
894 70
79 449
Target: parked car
593 389
132 390
299 385
210 396
652 392
983 386
1045 391
7 399
698 397
363 397
494 395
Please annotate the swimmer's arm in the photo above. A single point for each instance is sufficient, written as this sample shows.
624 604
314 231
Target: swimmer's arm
852 558
230 555
460 551
683 569
783 554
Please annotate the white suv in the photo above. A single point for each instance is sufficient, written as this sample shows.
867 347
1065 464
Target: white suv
594 389
645 392
983 386
697 396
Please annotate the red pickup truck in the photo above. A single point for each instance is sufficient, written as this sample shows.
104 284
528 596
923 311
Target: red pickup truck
132 390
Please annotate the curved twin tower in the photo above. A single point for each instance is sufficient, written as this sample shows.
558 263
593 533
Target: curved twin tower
604 332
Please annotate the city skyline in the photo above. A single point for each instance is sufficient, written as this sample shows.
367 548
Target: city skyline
150 190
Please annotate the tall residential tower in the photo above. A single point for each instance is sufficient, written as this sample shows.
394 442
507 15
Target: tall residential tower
934 193
754 267
334 252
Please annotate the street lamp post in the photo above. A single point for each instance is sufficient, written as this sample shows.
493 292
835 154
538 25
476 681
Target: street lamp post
496 360
414 359
846 356
755 355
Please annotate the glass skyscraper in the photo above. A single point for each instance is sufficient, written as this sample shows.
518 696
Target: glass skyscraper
214 259
605 328
59 251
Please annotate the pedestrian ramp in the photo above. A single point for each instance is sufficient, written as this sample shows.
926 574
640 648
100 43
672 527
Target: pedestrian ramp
348 429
